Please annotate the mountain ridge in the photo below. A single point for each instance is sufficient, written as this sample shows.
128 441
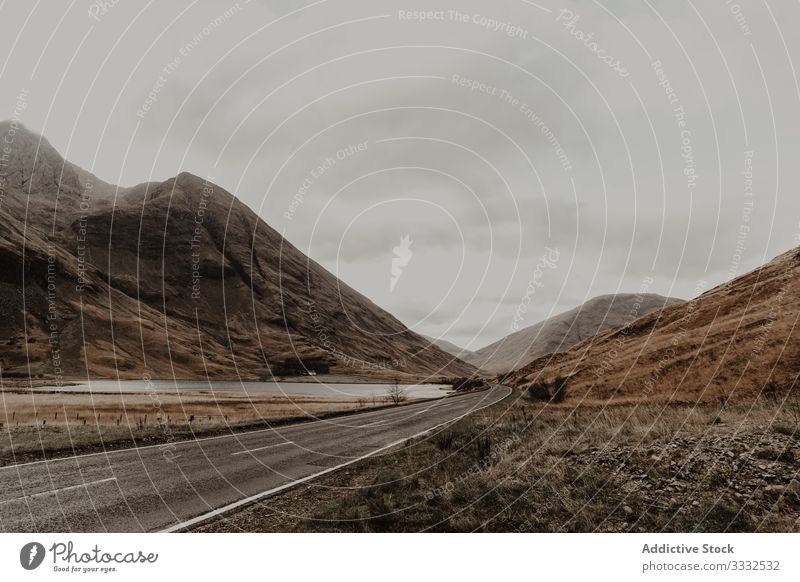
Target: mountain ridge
737 339
560 332
180 279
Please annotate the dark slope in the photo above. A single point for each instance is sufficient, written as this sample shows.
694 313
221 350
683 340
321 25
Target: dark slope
181 279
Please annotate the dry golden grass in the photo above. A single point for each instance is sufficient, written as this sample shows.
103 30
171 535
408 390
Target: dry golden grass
60 422
536 467
736 341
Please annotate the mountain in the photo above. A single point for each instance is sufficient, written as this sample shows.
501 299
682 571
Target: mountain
561 332
173 279
739 339
449 347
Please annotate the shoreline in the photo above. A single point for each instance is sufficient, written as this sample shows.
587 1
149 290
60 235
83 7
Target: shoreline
95 430
18 382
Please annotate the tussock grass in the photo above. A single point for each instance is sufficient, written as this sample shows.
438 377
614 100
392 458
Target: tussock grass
556 467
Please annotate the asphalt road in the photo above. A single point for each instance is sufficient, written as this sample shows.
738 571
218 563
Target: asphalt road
158 489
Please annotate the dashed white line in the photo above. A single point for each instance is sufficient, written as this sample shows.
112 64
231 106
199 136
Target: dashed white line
258 496
376 423
194 441
53 491
262 448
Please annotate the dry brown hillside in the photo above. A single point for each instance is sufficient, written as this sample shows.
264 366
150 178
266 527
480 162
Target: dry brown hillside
174 279
739 339
562 331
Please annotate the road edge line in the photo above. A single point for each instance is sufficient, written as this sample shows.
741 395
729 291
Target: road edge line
226 436
259 496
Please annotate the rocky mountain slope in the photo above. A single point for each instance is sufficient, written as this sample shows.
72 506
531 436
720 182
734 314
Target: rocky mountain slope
739 339
173 279
561 332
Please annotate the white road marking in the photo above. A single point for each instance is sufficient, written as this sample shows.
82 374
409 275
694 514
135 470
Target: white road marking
53 491
376 423
263 494
262 448
219 437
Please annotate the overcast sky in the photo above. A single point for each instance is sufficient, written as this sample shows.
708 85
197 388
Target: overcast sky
493 138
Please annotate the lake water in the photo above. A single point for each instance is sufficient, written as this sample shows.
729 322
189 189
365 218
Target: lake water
318 389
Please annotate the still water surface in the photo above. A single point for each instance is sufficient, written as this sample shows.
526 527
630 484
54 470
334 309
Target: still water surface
319 389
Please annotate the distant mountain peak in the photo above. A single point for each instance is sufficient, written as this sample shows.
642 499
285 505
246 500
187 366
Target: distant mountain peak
32 164
739 338
564 330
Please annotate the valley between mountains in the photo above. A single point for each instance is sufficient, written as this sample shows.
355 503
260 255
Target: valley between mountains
630 412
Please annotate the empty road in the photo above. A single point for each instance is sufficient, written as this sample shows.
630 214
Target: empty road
144 489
